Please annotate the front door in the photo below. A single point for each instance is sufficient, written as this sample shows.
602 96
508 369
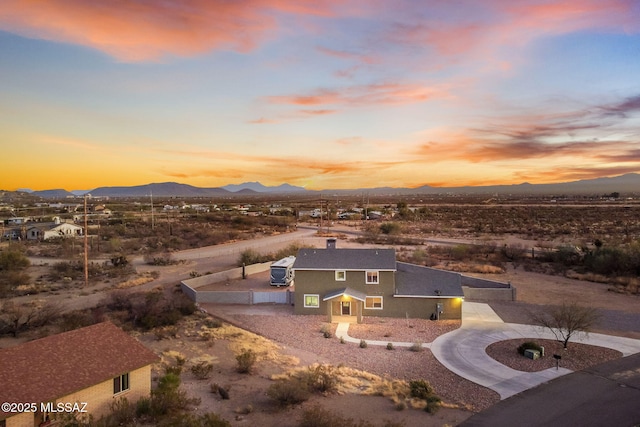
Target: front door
345 308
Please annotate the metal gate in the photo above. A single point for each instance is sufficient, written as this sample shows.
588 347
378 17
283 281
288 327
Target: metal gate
271 297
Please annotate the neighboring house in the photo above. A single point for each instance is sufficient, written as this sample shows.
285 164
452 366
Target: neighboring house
97 364
53 230
347 284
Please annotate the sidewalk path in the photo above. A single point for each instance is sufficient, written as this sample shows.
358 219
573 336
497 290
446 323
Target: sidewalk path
463 351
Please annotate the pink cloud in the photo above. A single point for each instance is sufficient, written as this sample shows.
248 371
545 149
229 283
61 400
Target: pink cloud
486 28
360 95
142 30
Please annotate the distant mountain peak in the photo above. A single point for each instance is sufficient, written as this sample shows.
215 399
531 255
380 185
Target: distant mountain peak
260 188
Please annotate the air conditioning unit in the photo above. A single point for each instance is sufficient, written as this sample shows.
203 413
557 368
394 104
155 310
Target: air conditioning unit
532 354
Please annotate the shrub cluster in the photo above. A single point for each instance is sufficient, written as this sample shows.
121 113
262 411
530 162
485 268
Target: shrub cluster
421 389
148 310
246 359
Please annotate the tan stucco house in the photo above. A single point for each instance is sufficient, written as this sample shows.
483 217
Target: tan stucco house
347 284
85 369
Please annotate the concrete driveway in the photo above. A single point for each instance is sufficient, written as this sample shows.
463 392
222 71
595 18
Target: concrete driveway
463 350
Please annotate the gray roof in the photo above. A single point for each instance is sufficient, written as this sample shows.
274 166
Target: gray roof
361 296
418 281
345 259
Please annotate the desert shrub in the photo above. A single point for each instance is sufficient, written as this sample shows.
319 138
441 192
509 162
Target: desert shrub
400 405
77 319
327 334
202 370
529 345
325 328
291 249
363 344
433 404
321 378
251 256
152 309
212 323
143 407
164 258
390 346
420 389
246 359
390 228
122 412
316 416
416 346
288 392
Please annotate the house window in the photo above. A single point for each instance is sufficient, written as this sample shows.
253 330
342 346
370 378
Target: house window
311 301
121 383
341 276
372 278
374 303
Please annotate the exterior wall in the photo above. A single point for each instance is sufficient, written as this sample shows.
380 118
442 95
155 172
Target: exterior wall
324 282
420 308
98 398
20 420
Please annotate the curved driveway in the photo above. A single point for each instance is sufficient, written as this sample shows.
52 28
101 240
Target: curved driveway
463 351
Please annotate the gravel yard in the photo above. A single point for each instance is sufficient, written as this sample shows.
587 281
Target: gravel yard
301 336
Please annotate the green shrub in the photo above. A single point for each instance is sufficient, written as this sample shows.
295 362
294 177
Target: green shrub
420 389
529 345
288 392
246 360
433 404
390 346
212 323
363 344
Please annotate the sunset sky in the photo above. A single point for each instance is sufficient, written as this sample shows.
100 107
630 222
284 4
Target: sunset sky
321 94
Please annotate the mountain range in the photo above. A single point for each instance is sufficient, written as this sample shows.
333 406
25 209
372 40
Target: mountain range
623 184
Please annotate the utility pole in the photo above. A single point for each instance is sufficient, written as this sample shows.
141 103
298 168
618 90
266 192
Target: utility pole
152 219
86 245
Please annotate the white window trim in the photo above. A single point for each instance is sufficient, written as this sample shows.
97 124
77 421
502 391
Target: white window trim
311 295
344 275
123 390
374 308
366 277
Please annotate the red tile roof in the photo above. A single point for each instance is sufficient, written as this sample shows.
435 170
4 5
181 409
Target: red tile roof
57 365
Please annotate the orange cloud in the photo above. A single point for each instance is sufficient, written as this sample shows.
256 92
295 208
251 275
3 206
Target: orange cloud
142 30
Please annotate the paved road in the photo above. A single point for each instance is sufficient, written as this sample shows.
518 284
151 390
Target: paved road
201 260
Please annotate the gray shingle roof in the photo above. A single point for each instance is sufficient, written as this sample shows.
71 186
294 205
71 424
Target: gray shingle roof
361 296
415 280
345 259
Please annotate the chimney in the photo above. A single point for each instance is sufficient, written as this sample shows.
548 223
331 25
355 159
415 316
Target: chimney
331 243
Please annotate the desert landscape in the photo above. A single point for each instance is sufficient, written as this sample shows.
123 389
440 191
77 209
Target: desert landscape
369 384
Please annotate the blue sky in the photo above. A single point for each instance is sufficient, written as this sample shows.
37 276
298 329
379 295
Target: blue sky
324 95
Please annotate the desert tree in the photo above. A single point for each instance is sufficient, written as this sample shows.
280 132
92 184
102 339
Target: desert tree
566 321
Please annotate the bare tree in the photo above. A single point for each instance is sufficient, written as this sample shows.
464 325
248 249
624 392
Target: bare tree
567 320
